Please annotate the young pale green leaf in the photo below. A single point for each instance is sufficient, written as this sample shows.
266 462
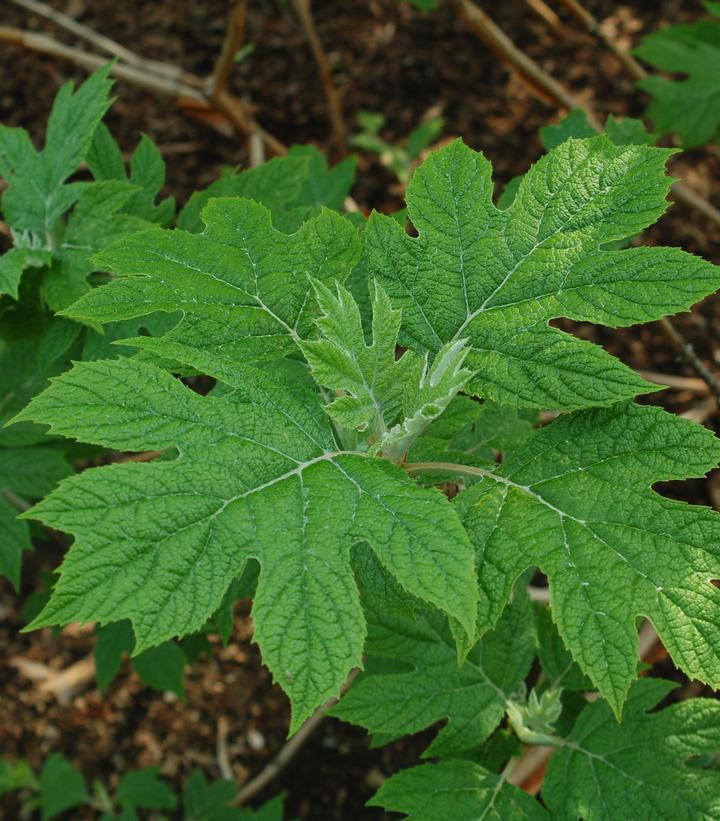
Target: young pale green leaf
371 380
242 286
497 277
37 196
259 476
689 107
637 769
576 502
461 790
392 400
425 684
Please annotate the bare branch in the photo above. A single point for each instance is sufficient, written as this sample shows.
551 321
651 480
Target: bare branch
289 750
334 106
182 87
592 24
234 36
541 8
536 77
99 40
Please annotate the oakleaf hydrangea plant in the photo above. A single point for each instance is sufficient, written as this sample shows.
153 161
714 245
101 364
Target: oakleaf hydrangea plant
368 444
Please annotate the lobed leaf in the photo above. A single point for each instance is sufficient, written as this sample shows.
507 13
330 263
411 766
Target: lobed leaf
497 277
576 502
258 476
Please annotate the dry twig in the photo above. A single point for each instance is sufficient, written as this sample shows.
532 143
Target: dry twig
98 40
289 750
541 8
593 25
535 77
234 37
221 749
180 85
334 106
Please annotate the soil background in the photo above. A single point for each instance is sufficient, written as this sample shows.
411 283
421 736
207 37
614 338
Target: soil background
387 57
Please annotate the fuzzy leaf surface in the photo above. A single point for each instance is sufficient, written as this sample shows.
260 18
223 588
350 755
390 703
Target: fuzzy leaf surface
391 399
242 286
497 277
690 107
637 769
576 502
461 790
258 476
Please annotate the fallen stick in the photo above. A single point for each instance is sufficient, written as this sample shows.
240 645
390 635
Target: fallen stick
184 86
289 750
334 106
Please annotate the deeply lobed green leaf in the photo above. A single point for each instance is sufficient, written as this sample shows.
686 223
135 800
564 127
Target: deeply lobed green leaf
257 476
497 277
576 502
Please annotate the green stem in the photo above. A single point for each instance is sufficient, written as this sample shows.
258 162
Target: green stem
447 467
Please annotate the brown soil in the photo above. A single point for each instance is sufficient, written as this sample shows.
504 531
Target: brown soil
388 57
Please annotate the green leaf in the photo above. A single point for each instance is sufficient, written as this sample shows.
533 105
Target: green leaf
573 125
203 801
162 668
104 344
16 776
628 131
143 788
62 787
14 262
32 472
576 502
113 641
14 539
147 170
689 107
104 157
557 663
242 285
20 380
273 184
637 769
37 195
497 277
388 399
323 185
460 790
95 222
419 682
159 543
